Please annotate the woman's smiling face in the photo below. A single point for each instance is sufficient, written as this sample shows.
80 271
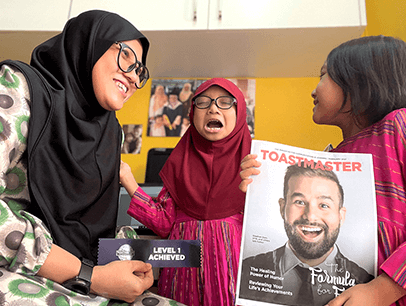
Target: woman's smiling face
113 87
214 123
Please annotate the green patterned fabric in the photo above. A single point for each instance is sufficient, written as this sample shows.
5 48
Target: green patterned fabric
25 242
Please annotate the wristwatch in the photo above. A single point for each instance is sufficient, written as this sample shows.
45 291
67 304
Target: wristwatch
81 283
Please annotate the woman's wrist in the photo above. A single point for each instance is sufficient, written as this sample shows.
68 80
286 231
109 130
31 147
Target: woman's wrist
95 286
130 185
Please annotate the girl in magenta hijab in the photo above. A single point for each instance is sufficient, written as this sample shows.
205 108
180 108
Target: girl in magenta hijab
200 198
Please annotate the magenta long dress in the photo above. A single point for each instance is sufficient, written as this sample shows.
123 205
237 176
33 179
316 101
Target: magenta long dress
220 240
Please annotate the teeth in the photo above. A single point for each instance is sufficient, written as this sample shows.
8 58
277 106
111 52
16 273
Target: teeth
122 86
214 125
310 229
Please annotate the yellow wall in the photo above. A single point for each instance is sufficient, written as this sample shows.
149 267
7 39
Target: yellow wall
386 17
284 106
283 114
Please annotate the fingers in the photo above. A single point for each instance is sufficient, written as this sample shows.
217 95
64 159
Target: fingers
250 161
247 172
124 165
249 166
109 280
244 184
143 271
339 300
140 266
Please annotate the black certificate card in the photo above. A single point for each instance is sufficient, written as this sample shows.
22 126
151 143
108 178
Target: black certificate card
159 253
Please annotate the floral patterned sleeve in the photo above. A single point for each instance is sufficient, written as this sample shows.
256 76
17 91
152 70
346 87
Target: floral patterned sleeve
25 242
158 214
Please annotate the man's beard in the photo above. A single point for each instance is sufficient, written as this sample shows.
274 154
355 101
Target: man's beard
311 250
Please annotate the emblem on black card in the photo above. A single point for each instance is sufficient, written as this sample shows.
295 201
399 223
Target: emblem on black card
125 252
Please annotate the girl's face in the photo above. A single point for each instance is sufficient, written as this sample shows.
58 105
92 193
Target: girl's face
214 123
112 86
328 98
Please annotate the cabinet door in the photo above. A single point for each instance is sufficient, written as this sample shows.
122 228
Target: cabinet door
153 15
271 14
39 15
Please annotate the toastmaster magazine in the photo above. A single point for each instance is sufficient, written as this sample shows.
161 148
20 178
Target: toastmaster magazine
309 228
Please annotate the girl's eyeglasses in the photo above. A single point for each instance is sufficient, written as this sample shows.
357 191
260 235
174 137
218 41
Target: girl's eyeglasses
223 102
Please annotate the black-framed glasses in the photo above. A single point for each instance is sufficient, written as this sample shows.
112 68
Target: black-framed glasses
222 102
127 61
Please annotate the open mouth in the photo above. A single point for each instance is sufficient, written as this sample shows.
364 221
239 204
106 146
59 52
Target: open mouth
310 232
214 125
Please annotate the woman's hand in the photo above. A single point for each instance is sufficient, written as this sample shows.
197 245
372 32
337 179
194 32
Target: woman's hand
249 166
127 179
123 280
381 291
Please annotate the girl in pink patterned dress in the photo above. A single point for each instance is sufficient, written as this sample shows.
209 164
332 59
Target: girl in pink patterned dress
200 198
362 90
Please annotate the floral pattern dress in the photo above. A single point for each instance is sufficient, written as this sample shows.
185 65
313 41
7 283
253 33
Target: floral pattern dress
25 242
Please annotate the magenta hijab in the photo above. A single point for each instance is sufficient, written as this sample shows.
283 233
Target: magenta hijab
202 176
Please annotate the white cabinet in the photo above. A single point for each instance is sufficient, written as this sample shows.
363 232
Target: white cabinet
204 38
171 15
279 14
39 15
152 15
238 38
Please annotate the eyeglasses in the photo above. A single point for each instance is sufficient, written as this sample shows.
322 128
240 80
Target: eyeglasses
127 61
222 102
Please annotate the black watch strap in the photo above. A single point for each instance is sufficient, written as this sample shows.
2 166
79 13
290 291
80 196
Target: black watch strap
86 270
82 282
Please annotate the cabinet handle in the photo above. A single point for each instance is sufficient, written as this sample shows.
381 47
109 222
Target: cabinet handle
194 10
220 9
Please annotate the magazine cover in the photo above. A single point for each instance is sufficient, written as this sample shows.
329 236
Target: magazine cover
309 227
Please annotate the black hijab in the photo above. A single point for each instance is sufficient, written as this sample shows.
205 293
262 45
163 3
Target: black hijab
73 143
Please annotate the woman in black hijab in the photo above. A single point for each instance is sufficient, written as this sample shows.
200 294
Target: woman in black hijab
73 142
70 158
